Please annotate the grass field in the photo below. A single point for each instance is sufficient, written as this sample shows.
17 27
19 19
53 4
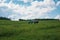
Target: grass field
21 30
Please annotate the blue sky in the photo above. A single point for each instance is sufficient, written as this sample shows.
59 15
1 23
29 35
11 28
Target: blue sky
30 9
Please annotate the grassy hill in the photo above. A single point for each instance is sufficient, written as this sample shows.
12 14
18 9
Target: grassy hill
21 30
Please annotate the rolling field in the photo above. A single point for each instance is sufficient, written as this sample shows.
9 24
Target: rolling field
21 30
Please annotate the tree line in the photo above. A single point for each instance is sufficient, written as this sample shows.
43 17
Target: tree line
4 18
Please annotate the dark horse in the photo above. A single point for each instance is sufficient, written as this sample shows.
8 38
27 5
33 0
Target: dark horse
33 21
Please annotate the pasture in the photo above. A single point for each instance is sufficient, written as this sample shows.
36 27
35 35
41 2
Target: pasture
21 30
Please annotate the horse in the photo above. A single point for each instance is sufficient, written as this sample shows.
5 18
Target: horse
33 21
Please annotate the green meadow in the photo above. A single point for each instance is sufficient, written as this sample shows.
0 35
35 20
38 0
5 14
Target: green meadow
21 30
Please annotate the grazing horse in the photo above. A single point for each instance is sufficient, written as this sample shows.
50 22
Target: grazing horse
33 21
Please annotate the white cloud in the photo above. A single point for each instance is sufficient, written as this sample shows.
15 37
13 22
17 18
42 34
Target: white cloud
58 3
57 17
2 1
48 17
25 1
36 10
14 17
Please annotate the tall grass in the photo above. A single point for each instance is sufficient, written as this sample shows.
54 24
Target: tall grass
21 30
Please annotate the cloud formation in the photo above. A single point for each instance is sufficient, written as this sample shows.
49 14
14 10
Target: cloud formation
35 10
58 3
57 17
25 1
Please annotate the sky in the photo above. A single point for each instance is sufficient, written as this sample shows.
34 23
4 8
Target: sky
30 9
